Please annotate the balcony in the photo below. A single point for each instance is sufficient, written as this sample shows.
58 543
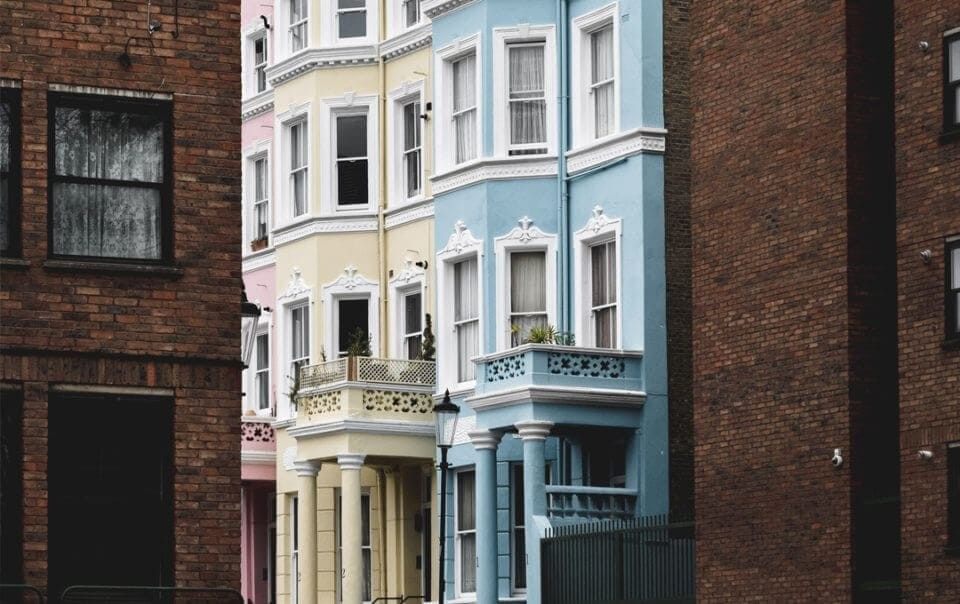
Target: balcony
367 389
577 504
552 365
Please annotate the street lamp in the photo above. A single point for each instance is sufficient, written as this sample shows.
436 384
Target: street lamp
249 316
445 414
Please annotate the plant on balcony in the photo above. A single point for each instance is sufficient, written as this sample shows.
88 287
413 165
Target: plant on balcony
293 389
428 349
258 244
547 334
359 345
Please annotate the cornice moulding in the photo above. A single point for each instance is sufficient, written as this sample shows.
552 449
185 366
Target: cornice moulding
259 260
338 224
589 397
494 169
406 42
320 58
260 458
365 426
625 144
436 8
395 217
257 105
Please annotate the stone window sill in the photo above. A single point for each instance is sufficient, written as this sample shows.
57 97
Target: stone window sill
129 268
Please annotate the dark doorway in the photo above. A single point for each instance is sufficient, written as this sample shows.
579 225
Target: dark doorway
352 317
11 486
110 490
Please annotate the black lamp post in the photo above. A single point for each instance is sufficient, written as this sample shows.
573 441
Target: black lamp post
249 317
445 414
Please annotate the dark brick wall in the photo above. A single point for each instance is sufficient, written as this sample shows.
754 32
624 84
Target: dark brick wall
928 210
676 108
174 331
770 300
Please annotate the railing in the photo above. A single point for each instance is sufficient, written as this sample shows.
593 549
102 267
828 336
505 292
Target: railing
576 504
135 594
257 434
643 560
369 369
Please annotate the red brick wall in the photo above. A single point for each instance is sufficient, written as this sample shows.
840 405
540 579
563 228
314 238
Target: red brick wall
928 204
770 300
176 331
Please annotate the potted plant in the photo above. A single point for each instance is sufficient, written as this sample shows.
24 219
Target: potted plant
258 244
359 346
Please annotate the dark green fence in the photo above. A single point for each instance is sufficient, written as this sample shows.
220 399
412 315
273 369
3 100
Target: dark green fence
643 560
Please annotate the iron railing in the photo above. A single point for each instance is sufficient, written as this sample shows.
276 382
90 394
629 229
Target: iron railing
144 594
642 560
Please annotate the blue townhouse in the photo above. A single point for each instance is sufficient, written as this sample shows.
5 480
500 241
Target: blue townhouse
550 288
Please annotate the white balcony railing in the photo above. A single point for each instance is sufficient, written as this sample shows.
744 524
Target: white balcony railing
369 369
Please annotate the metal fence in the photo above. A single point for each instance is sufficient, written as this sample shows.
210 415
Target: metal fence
642 560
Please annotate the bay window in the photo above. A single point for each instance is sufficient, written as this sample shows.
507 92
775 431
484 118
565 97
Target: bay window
466 316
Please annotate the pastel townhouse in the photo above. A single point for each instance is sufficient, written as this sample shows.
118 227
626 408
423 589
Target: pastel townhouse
340 248
550 279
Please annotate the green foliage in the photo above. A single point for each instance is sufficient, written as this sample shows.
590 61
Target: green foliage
542 335
428 349
359 343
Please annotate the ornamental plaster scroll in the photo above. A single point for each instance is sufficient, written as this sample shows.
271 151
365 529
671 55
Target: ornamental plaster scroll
410 272
350 280
525 233
598 221
460 240
296 287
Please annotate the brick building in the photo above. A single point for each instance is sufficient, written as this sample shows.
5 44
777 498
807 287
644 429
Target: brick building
120 288
826 174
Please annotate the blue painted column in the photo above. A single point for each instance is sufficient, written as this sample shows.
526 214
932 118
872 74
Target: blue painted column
533 433
485 442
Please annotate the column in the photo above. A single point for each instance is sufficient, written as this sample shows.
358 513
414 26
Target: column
351 526
533 433
307 531
485 442
395 566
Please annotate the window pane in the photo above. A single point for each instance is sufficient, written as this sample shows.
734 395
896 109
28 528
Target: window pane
5 125
411 162
598 271
260 177
298 146
464 83
528 282
351 3
468 562
601 55
352 136
352 24
411 125
352 184
106 221
605 321
412 313
953 495
263 351
955 264
954 60
465 290
412 11
112 145
352 317
466 500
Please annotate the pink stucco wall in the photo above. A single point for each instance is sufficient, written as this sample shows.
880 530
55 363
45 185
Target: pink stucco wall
250 11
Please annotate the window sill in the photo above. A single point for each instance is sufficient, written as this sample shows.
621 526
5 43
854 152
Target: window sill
951 344
14 263
949 136
130 268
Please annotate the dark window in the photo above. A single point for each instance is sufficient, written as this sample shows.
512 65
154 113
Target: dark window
110 176
352 160
352 323
110 490
11 487
260 62
519 545
352 18
9 172
951 83
412 325
952 292
411 11
953 496
411 148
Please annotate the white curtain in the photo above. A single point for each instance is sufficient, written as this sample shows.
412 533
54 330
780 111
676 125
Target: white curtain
602 75
107 220
528 107
528 291
466 316
604 294
465 107
298 32
298 170
466 529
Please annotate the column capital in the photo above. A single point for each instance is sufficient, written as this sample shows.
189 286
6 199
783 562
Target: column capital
532 429
351 461
306 468
484 439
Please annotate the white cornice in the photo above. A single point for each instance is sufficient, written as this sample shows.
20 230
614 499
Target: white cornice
259 260
332 224
320 58
258 419
395 217
260 458
257 105
559 395
365 426
406 42
624 144
558 348
494 169
435 8
283 424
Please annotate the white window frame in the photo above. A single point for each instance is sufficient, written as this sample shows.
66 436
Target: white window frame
409 92
524 238
599 229
462 245
282 172
351 285
457 532
249 61
502 38
582 111
338 524
284 16
252 154
406 281
298 294
330 109
445 144
330 36
264 328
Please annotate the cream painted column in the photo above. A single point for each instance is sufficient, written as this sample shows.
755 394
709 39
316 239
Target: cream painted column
533 433
351 526
306 531
394 553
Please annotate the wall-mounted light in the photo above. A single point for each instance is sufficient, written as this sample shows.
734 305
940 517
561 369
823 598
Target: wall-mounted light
924 46
926 255
924 454
421 264
837 459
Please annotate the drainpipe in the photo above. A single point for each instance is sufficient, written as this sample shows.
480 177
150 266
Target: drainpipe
563 196
382 190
